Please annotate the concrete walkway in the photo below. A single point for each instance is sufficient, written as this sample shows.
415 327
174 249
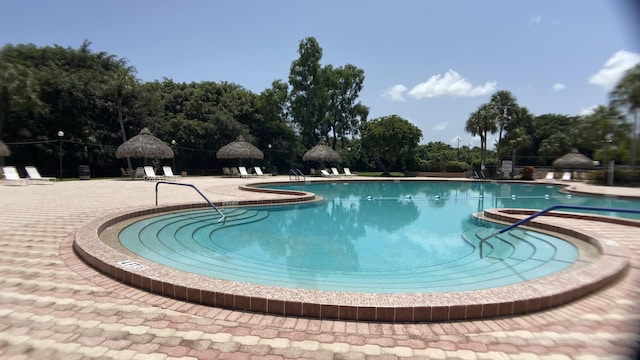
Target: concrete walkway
53 306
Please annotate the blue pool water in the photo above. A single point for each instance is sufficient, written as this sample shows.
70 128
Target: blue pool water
371 237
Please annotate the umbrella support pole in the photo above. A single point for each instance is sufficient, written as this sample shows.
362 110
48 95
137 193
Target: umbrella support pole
222 216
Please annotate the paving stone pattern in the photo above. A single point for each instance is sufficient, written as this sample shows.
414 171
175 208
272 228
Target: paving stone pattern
53 306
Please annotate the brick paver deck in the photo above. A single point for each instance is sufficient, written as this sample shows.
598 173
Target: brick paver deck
53 306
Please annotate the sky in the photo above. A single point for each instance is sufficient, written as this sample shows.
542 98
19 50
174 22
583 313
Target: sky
432 62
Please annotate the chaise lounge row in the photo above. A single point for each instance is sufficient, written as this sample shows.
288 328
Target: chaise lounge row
334 172
241 171
12 177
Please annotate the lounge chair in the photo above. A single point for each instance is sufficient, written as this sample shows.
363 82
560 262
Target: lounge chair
168 173
34 175
11 176
235 172
566 176
334 172
347 172
226 171
243 172
259 172
127 173
150 174
549 176
325 173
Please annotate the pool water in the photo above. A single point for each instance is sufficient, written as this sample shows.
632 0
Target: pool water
370 237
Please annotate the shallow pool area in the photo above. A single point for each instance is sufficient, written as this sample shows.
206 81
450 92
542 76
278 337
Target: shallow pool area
408 237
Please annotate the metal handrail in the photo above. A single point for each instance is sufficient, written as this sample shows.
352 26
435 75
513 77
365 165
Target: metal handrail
296 173
222 216
542 212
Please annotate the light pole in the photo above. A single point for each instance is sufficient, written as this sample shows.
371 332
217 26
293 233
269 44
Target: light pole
60 135
459 148
269 147
173 147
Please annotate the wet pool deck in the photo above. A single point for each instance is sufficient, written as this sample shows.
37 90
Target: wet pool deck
52 305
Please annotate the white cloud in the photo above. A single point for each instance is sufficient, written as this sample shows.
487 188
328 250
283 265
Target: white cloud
395 93
557 87
587 111
451 84
535 20
614 69
439 126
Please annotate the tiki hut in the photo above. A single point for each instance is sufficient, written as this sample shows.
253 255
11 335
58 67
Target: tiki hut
4 149
321 153
239 149
144 145
573 160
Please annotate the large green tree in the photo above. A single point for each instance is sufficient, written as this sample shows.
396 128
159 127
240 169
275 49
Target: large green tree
389 140
626 96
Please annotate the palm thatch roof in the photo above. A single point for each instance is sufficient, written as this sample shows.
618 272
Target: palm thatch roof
4 149
321 153
573 160
144 145
239 149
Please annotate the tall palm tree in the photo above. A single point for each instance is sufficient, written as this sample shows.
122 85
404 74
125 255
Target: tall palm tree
123 83
626 94
482 122
506 109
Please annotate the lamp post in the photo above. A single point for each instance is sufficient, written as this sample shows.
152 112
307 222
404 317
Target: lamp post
60 135
173 147
459 148
269 147
608 169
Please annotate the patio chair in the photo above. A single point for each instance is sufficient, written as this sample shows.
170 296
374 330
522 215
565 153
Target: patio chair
34 175
259 172
243 172
150 174
566 176
226 171
11 176
334 172
127 173
235 172
549 176
347 172
325 173
168 173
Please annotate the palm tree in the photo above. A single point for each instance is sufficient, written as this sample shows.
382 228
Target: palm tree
481 123
627 94
506 108
123 83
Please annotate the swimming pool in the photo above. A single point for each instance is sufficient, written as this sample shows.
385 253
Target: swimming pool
369 237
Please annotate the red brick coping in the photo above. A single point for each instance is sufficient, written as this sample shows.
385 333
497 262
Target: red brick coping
530 296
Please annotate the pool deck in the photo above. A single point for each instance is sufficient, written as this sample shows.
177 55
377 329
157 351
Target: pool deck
52 305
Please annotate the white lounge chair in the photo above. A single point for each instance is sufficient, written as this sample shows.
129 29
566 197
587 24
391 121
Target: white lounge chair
347 172
11 176
550 175
334 172
168 173
243 172
566 176
259 172
34 175
325 173
226 171
150 174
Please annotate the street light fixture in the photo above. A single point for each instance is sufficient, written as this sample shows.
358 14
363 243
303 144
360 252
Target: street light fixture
60 135
173 147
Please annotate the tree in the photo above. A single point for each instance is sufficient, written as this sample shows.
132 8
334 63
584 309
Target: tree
18 90
390 139
308 97
345 115
481 123
627 94
517 136
123 84
506 110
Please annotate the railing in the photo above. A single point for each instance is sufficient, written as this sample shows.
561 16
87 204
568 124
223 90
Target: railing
296 174
222 217
542 212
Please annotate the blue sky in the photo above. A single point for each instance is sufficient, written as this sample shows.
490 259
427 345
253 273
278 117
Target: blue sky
432 62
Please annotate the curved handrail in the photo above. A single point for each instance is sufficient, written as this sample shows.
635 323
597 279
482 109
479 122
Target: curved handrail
222 216
554 207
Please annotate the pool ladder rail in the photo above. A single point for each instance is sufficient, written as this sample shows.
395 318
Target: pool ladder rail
296 174
222 216
542 212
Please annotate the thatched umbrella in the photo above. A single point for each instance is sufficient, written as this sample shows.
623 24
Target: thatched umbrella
239 149
4 149
321 153
144 145
573 160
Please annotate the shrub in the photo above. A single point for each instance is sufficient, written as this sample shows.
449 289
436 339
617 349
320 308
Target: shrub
456 166
527 173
